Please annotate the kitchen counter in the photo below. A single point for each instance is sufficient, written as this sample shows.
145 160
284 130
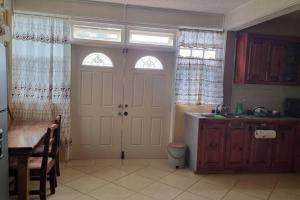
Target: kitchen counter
218 144
211 116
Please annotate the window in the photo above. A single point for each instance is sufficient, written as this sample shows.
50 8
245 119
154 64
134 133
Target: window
149 62
97 59
151 37
197 53
87 32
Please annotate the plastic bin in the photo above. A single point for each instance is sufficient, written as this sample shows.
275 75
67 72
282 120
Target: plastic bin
176 154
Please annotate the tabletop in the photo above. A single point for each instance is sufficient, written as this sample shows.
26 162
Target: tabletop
26 135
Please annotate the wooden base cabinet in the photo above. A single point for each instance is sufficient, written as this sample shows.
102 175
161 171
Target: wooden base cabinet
236 146
211 146
231 146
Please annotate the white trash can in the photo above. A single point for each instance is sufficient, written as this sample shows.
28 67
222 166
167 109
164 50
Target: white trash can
176 155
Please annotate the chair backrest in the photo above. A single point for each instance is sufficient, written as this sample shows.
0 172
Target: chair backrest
58 122
47 143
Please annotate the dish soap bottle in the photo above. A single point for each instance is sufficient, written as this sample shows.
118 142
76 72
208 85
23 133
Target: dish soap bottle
239 108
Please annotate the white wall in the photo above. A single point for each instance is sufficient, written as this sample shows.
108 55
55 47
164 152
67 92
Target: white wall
257 11
115 12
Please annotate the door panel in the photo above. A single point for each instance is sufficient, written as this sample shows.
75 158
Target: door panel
96 125
236 147
258 60
148 96
278 62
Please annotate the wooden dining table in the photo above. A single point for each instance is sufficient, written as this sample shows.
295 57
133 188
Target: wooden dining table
23 138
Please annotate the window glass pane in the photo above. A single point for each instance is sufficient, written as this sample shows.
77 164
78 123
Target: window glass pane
185 52
154 38
97 59
197 53
97 33
149 62
210 54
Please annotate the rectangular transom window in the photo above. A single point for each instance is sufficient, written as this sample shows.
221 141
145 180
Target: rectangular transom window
86 32
197 53
151 38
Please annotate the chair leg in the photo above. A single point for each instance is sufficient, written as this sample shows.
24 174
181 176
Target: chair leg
52 180
57 165
43 183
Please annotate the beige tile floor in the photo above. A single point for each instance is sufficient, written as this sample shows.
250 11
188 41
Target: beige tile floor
154 180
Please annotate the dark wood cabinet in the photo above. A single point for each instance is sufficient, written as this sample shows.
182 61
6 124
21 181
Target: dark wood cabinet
278 60
257 60
264 59
236 146
283 147
231 146
212 143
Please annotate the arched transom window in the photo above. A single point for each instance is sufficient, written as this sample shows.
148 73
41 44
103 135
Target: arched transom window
149 62
98 60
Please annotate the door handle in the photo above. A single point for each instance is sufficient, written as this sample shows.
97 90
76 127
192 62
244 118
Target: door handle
126 105
125 113
120 114
120 106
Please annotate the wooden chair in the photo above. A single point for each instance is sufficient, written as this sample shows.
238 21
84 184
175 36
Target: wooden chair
42 167
54 155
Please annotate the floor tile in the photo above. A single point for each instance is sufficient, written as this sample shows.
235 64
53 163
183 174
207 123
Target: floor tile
88 169
140 197
152 173
140 162
187 173
109 174
254 190
161 191
232 195
111 192
214 192
80 163
178 181
108 162
86 183
134 182
64 193
281 195
130 168
190 196
85 197
220 179
161 164
268 180
69 174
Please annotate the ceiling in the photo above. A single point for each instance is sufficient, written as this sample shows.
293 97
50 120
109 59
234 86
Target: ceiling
214 6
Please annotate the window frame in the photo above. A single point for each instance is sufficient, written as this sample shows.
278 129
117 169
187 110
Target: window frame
97 25
154 31
150 69
98 66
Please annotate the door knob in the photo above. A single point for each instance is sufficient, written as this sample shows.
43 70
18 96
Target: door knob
126 105
125 113
120 106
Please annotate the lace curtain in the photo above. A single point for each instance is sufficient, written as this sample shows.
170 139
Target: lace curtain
200 80
41 70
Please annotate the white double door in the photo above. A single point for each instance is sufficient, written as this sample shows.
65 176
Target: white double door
120 108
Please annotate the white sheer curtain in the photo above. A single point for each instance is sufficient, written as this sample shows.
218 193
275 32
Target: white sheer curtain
200 80
41 70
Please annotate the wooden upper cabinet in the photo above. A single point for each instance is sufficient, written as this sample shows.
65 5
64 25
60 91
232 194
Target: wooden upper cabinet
278 60
263 59
257 62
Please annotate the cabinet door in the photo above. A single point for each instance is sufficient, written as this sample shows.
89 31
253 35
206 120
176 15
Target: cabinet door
283 149
278 61
236 146
260 150
258 58
212 138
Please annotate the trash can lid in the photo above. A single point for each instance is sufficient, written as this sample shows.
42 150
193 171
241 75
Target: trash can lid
177 145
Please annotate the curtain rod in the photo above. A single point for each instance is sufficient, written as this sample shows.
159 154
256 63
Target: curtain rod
41 14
